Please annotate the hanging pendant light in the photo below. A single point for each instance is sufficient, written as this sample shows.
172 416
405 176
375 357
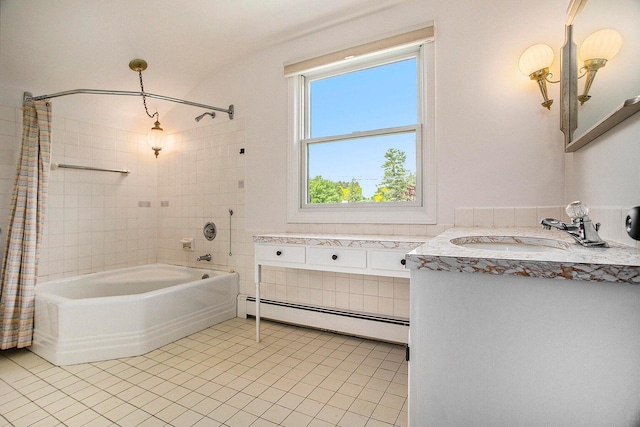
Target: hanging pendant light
155 137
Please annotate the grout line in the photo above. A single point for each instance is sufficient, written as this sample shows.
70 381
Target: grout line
287 355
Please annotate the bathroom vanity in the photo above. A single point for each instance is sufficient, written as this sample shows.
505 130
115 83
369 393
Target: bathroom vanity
369 255
523 327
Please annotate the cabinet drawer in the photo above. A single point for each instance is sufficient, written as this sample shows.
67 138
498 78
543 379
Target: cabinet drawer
337 257
387 260
281 253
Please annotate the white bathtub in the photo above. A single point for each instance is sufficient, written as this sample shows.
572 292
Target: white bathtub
128 312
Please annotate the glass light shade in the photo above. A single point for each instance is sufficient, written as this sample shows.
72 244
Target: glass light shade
155 138
536 57
603 44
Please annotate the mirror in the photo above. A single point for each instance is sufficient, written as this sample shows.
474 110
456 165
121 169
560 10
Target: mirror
616 83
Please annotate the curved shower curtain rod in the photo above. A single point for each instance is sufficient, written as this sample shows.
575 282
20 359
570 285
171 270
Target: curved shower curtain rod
27 96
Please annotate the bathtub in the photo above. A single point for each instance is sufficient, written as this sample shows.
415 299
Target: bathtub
128 312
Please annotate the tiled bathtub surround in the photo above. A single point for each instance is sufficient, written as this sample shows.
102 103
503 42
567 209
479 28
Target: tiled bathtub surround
616 264
98 221
200 178
94 220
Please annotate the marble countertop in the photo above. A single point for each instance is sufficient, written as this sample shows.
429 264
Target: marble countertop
407 243
618 263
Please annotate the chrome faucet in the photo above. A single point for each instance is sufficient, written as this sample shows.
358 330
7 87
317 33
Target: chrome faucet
206 257
580 228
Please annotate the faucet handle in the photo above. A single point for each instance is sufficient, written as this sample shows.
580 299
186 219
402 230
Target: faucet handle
577 210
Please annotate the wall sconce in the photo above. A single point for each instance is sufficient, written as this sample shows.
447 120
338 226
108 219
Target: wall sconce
155 137
595 51
535 62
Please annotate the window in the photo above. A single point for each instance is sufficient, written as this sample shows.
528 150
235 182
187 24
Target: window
361 149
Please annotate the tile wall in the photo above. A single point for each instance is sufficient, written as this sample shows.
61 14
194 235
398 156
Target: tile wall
10 131
98 221
201 179
384 296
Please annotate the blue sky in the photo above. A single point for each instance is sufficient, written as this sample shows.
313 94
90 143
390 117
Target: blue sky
374 98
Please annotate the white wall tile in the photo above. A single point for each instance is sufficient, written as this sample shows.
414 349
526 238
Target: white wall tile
80 202
370 304
504 217
526 217
356 302
549 212
483 217
464 217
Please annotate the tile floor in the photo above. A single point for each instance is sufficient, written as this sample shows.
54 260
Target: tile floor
220 376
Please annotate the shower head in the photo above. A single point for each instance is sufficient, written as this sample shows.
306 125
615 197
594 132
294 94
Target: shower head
212 114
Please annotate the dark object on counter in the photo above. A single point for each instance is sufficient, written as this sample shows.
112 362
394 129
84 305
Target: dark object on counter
633 223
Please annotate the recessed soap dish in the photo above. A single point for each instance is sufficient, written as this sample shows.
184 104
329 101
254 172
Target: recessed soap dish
187 243
209 231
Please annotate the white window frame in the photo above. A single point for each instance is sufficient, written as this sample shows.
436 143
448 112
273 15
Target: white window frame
423 211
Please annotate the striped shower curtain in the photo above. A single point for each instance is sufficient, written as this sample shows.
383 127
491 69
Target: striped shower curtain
26 220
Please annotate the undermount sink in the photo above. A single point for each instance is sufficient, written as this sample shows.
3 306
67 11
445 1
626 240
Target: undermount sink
511 244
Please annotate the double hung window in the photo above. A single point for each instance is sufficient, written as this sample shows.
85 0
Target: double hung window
360 149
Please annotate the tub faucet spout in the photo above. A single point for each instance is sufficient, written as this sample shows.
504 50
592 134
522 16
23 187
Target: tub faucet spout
206 257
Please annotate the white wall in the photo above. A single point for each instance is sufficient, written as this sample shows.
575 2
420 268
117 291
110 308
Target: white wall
496 145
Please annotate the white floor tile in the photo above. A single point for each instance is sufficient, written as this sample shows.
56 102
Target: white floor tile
217 377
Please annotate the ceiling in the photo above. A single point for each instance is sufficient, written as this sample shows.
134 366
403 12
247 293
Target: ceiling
48 46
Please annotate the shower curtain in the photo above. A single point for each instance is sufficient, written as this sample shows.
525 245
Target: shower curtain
26 220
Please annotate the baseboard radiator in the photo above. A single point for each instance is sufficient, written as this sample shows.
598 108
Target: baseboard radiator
378 327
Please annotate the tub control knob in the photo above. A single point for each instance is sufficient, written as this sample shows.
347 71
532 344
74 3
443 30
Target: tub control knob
278 253
403 261
334 257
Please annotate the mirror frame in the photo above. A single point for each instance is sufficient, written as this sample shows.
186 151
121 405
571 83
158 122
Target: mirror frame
568 87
